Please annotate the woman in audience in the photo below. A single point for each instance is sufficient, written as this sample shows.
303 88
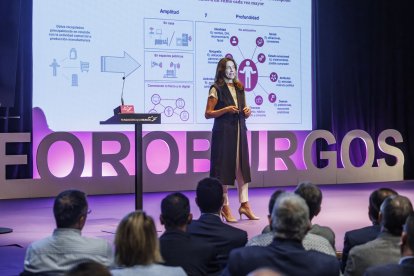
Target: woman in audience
137 250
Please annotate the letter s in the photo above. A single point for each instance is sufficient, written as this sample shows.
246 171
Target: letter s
389 149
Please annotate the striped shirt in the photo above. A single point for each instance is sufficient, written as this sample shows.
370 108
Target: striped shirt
63 250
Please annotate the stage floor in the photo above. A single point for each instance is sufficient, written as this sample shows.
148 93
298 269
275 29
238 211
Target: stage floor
344 207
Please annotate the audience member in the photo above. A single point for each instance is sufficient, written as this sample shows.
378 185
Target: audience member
137 248
309 242
209 227
290 222
88 269
313 197
385 248
66 248
405 267
178 248
272 201
369 233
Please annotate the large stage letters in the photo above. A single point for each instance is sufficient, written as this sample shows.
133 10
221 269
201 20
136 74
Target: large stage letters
278 158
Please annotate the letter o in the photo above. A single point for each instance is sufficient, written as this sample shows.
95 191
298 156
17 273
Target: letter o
369 148
43 150
172 146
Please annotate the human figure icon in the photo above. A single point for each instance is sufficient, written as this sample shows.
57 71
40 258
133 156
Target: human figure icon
248 72
54 66
234 41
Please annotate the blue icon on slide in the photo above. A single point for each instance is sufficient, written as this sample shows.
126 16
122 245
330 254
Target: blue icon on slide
73 54
74 79
172 73
54 66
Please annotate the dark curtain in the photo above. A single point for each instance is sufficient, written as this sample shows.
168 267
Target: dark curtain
18 118
364 68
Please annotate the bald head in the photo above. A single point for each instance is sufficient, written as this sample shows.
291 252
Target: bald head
393 212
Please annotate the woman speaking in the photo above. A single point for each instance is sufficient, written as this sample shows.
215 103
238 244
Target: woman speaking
229 150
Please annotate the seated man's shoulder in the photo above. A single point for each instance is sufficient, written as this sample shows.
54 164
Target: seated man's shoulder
318 243
234 229
362 248
81 245
325 232
41 246
96 242
249 253
316 228
235 233
261 240
314 237
362 235
248 258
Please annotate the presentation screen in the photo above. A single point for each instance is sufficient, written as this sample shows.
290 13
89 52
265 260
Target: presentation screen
161 57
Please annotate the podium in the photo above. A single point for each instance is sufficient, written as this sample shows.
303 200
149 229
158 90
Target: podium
137 119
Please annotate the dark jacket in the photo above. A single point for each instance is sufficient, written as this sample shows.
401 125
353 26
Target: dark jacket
224 139
223 237
180 249
406 268
286 256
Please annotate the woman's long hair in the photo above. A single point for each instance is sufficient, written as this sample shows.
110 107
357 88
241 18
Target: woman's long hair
136 241
221 74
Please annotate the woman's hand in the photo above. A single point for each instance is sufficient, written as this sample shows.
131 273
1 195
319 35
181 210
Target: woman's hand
247 111
232 109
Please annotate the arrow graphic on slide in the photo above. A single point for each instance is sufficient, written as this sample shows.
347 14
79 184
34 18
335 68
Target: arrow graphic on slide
125 64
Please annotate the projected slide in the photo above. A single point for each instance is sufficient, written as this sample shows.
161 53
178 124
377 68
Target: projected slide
162 56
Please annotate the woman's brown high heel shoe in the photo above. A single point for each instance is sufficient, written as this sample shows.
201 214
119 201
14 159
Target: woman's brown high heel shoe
226 214
245 210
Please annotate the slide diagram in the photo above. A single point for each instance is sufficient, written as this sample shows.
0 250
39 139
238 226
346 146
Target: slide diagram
173 100
169 85
168 34
176 108
268 65
168 52
167 66
69 67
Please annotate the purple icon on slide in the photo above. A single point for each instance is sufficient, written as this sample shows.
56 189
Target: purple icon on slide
234 40
273 77
229 55
259 41
272 97
248 74
261 58
258 100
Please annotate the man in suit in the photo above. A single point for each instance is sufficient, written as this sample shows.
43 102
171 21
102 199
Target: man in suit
178 248
66 248
405 267
313 197
209 227
290 222
385 248
368 233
